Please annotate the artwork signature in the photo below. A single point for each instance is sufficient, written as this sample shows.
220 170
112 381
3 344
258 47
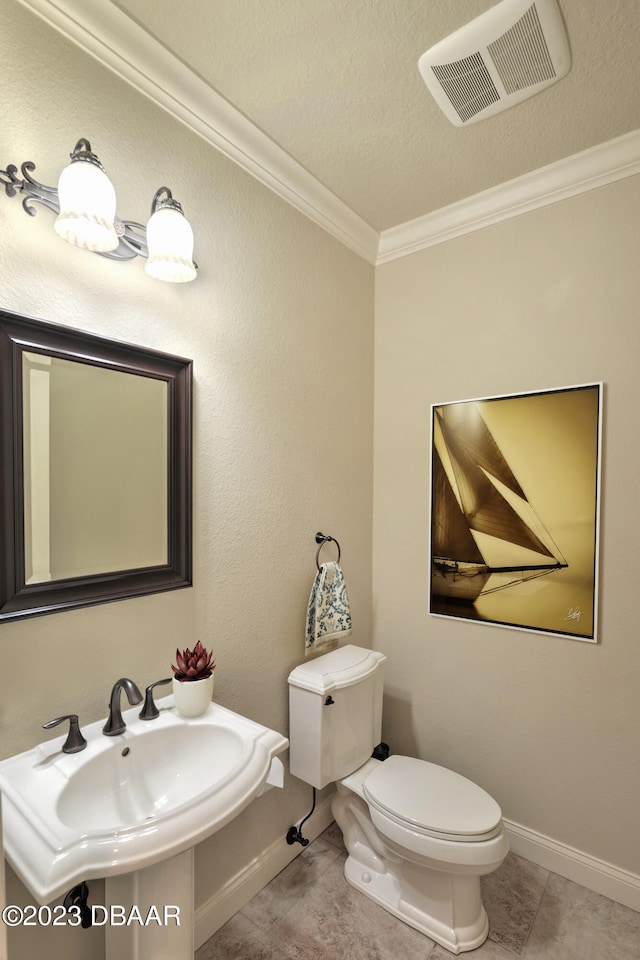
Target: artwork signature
574 613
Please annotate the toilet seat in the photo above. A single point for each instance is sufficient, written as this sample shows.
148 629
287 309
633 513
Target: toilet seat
432 801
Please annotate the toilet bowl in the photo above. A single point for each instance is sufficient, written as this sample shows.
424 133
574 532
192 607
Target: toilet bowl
418 835
427 874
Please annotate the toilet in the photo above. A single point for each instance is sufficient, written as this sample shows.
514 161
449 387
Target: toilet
418 836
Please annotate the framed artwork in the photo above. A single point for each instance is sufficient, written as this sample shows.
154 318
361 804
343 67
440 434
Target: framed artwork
515 497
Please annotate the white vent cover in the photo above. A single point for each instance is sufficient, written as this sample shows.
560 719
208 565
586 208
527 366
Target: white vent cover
508 54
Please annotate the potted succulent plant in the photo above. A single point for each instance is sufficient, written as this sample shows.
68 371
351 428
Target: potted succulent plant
193 680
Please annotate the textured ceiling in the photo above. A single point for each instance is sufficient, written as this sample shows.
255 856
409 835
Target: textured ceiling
336 85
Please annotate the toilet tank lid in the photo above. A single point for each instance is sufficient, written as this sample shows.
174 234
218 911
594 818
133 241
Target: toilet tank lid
340 668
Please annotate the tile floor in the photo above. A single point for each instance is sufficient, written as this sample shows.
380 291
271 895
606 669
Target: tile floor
309 912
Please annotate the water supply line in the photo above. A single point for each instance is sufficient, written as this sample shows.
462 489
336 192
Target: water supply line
77 899
294 834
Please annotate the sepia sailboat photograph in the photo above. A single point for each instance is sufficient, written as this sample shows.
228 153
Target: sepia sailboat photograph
515 510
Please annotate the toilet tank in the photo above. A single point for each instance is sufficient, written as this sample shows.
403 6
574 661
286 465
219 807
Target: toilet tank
335 714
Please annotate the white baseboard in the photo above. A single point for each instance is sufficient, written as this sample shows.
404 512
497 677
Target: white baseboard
590 872
251 879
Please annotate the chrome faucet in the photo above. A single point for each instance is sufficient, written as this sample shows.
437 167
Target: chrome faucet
115 724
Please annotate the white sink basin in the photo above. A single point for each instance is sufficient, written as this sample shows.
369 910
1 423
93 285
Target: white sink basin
158 772
130 801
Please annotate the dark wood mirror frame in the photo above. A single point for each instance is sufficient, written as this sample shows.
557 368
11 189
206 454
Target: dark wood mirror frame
19 599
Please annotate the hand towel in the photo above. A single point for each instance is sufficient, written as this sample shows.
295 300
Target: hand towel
328 613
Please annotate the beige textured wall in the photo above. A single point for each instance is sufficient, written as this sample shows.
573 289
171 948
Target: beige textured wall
549 726
279 324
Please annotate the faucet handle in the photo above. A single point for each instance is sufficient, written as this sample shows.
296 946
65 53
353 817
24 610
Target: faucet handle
150 711
75 742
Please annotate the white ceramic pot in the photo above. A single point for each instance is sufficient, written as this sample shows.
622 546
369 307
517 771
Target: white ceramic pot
192 697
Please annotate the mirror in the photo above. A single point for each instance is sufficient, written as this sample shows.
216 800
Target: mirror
95 478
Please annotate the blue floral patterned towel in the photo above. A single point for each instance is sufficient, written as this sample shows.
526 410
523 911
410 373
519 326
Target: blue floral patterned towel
328 614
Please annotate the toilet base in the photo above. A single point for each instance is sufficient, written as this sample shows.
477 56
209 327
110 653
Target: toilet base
386 890
441 900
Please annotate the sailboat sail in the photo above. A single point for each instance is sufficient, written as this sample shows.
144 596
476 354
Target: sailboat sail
464 424
468 500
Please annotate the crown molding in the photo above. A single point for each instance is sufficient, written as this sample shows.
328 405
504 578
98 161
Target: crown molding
111 37
106 33
606 163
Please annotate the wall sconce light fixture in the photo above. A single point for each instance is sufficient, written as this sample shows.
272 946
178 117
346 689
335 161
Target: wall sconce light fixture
85 204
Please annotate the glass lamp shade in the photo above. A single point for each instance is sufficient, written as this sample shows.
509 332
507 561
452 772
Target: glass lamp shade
87 207
170 245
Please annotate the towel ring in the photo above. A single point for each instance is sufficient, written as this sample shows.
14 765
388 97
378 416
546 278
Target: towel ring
322 539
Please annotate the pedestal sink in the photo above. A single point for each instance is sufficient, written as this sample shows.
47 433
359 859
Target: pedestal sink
130 809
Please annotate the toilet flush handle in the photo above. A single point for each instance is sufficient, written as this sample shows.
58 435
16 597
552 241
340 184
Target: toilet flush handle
329 701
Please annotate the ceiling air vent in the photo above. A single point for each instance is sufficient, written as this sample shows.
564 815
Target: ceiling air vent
508 54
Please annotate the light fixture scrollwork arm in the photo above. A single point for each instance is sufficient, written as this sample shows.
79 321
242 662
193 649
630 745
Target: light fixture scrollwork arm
32 190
